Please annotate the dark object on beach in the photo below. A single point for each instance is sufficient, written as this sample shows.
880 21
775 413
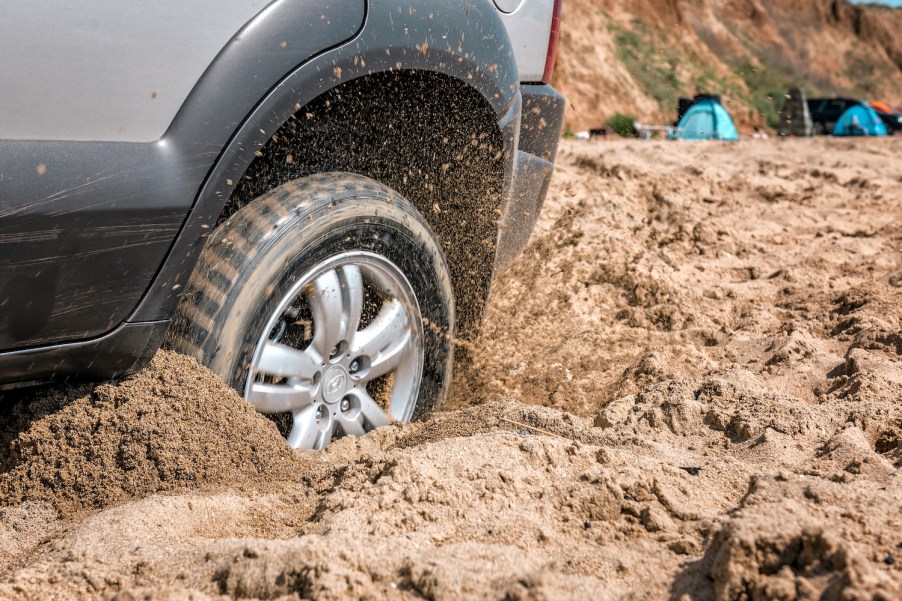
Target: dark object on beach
601 132
795 120
825 112
892 121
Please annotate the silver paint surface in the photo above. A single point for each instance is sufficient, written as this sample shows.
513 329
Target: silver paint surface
529 27
108 70
120 71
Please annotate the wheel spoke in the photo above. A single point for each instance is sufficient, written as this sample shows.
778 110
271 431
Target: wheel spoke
278 398
325 301
324 437
389 359
352 290
352 427
281 360
305 432
386 340
370 410
337 303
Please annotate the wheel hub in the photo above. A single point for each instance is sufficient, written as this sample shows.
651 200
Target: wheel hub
324 384
336 383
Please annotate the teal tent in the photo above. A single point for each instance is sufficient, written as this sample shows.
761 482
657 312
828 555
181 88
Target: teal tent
859 120
706 119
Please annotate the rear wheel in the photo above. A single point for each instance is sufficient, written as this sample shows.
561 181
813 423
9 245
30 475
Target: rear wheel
327 303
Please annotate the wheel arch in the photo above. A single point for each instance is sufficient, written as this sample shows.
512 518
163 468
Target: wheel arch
424 134
468 58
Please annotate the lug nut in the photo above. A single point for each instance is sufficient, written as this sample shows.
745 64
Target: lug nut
345 404
319 414
333 352
355 365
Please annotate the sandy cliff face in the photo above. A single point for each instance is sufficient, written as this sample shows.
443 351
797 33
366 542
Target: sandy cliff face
638 56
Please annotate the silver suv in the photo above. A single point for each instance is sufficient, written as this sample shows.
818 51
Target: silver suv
309 197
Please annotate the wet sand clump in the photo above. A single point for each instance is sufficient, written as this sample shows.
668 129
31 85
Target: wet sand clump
170 426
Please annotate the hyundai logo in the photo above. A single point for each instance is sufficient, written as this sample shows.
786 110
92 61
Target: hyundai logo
336 384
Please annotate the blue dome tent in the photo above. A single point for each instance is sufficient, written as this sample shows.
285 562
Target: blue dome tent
859 120
706 119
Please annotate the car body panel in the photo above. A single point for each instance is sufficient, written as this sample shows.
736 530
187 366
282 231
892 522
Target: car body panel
83 229
528 25
86 225
104 70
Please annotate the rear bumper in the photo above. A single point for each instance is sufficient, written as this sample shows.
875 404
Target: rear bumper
541 121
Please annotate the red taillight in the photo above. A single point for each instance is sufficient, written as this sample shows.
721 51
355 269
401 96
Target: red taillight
552 42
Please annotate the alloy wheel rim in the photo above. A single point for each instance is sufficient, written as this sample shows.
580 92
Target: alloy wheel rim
361 366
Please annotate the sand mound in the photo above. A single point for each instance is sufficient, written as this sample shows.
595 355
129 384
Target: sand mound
792 538
172 425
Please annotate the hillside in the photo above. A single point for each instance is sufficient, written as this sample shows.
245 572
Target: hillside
639 56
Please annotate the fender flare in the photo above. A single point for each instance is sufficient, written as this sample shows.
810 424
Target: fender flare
465 40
